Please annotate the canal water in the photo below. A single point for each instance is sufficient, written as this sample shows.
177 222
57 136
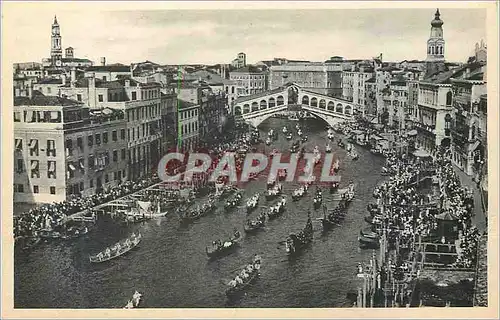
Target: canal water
170 266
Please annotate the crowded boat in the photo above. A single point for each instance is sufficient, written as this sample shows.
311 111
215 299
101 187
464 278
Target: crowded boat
245 277
135 301
274 191
117 249
300 192
252 203
254 225
233 202
318 198
199 211
219 248
335 216
275 211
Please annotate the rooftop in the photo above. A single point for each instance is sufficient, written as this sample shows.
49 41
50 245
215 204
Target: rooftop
183 104
50 81
75 60
110 68
39 99
248 69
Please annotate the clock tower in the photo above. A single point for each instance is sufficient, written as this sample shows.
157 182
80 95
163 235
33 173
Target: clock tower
56 45
435 44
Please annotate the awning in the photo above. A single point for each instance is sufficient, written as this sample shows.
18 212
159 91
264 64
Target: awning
412 132
81 164
421 153
52 166
19 143
72 167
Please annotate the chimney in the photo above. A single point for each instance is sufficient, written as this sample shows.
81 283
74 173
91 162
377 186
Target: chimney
73 77
103 61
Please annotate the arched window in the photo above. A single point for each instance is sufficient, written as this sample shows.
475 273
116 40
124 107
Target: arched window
255 106
447 121
331 106
246 108
314 102
271 103
429 50
305 100
473 132
322 104
347 110
263 104
232 89
339 108
432 50
280 101
237 110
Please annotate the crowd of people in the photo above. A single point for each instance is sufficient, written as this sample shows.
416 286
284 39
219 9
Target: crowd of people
53 216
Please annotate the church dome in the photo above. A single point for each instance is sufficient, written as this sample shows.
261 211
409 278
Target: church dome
437 22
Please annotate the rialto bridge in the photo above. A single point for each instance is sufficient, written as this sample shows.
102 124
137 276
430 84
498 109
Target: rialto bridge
256 108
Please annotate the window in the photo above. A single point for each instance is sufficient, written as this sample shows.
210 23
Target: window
51 169
20 166
51 148
79 143
122 134
90 140
119 175
17 116
81 165
106 178
104 78
69 147
134 95
79 97
98 139
82 186
35 189
101 98
104 137
115 155
114 135
115 175
71 170
18 143
19 188
91 183
49 90
123 154
91 162
35 169
52 190
34 147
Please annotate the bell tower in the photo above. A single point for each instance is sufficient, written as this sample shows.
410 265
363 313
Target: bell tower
435 44
56 45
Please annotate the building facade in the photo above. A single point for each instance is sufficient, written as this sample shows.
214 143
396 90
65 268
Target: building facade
249 80
189 137
323 78
240 61
62 149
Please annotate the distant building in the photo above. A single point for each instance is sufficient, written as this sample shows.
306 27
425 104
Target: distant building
56 59
318 77
109 72
249 80
240 61
189 136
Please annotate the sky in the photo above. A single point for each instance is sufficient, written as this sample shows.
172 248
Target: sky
216 36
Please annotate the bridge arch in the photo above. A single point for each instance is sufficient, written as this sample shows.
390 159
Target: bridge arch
314 102
280 101
305 100
246 108
331 106
255 106
348 110
237 111
322 104
263 104
271 103
339 108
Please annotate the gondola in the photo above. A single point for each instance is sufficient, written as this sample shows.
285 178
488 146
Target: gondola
221 248
274 192
299 193
289 136
333 218
303 138
318 199
276 210
235 288
334 187
328 149
368 242
73 233
196 214
233 202
253 226
49 234
116 250
295 242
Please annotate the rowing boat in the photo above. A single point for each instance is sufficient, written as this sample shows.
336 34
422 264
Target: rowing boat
116 250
